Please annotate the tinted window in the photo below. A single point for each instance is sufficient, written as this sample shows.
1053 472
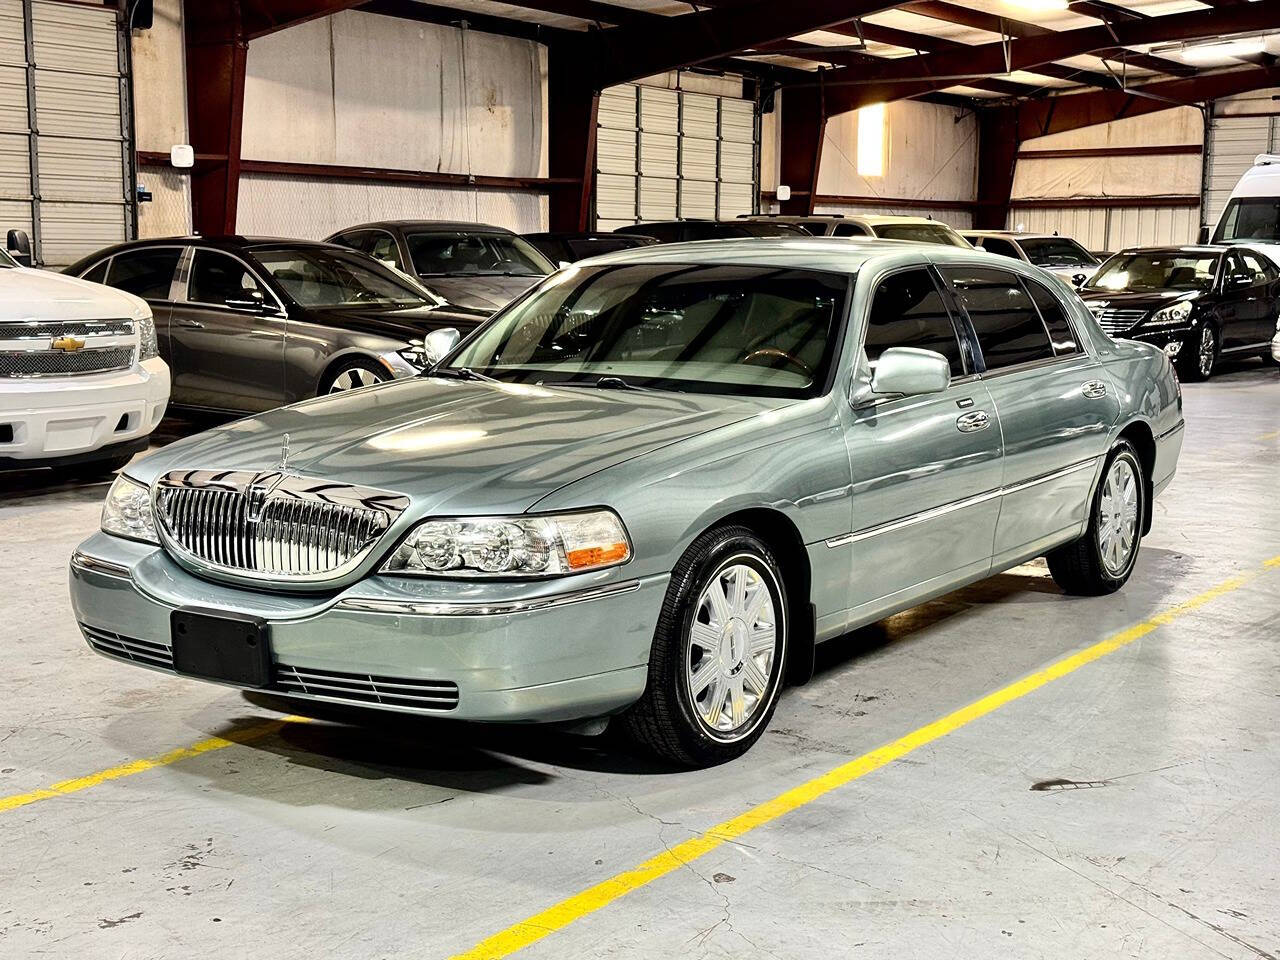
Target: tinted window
458 253
850 230
1057 252
316 277
382 246
1259 270
921 233
1054 317
995 245
145 273
1253 218
1006 321
222 280
726 329
662 232
98 274
908 311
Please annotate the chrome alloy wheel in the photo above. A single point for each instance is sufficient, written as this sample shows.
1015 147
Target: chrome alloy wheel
1204 356
354 377
1118 516
733 642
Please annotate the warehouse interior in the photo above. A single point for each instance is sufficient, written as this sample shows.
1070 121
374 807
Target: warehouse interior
1005 768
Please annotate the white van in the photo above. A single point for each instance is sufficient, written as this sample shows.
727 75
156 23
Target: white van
81 382
1252 213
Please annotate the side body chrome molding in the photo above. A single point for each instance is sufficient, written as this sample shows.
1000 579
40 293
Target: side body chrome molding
82 561
934 512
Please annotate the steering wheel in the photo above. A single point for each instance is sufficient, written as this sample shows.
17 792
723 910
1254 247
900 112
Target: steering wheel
773 353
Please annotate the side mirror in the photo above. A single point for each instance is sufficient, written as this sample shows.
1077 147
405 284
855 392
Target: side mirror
1203 235
563 265
437 344
910 371
19 245
1078 279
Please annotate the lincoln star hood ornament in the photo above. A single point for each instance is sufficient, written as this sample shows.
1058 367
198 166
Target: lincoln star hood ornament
284 454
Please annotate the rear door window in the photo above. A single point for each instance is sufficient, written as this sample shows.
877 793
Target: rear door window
146 273
1004 317
1054 317
995 245
908 311
850 230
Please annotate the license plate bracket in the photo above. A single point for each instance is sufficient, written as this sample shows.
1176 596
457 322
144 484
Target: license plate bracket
227 647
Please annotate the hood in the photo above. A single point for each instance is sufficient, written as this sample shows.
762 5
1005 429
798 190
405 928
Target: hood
399 323
457 446
1138 299
29 294
478 291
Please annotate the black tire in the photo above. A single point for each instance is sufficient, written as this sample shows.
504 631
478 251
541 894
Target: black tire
348 375
1268 359
1191 362
666 720
1078 567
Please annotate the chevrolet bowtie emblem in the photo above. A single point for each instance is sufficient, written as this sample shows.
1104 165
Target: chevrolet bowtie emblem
67 344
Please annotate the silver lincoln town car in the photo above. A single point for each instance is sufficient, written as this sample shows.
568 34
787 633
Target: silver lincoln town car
646 490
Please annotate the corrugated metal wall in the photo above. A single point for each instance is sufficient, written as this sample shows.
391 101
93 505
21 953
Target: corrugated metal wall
1110 229
664 153
60 75
1234 142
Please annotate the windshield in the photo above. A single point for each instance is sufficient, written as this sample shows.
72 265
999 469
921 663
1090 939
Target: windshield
920 232
1157 271
335 278
1250 218
1056 252
455 253
6 260
744 330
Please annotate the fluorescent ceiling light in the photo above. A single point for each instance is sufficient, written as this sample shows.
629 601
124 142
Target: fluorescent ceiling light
1208 52
1041 6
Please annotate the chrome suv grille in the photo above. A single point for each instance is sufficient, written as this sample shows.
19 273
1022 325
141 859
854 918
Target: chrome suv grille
65 348
1118 319
273 525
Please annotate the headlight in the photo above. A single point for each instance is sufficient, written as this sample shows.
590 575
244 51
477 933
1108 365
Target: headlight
1171 315
127 512
513 546
415 355
147 346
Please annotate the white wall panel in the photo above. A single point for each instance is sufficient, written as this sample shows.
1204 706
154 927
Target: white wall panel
313 208
1111 229
1234 142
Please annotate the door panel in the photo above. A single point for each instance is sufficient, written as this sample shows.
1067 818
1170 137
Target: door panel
925 469
226 356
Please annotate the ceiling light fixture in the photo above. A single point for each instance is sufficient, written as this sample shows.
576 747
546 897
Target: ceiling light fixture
1209 52
1039 6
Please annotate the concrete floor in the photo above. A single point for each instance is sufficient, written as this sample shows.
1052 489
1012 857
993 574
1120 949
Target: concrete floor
415 839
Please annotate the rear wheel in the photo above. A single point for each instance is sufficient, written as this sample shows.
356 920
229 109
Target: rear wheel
1100 561
718 655
1199 354
352 374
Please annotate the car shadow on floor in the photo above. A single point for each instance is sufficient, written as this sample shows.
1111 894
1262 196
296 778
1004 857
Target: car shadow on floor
405 753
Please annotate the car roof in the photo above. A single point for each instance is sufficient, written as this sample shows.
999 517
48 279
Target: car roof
834 254
449 226
1182 248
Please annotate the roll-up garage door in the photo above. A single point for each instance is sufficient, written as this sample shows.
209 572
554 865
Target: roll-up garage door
63 99
1234 142
672 154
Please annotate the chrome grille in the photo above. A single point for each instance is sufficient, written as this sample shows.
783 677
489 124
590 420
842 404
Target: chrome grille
357 688
280 526
27 347
368 688
1118 319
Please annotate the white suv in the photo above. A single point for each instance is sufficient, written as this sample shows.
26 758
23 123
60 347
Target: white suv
81 383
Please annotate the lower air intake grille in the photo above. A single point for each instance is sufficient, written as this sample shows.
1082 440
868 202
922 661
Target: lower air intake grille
368 688
330 684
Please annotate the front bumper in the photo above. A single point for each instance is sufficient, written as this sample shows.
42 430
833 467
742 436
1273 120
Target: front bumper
1162 337
1275 348
532 651
62 420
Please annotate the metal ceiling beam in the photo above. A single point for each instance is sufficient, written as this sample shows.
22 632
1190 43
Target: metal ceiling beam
911 76
689 39
994 23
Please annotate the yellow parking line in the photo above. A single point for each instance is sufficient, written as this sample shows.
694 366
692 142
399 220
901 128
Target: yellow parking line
1269 436
246 735
560 915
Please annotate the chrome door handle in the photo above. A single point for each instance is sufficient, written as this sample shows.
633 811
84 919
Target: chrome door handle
193 324
973 421
1094 389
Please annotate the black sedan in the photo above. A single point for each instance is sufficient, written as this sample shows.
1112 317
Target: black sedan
469 264
568 247
1198 303
249 324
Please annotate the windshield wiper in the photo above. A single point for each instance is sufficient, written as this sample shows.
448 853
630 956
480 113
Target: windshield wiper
609 383
459 373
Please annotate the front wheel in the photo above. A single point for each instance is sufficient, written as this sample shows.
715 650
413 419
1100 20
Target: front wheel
1100 561
352 374
716 667
1199 354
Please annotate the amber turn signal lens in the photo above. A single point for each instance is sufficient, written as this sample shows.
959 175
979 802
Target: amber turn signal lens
596 556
